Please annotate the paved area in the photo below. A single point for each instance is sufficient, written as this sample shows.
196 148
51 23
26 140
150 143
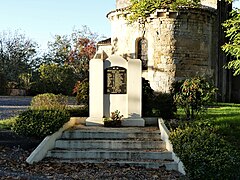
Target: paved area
13 105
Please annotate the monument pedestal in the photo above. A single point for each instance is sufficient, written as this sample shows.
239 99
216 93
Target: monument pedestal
115 85
94 121
139 122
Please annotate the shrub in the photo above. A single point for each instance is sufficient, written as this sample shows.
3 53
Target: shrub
147 98
82 91
164 105
78 111
193 94
204 153
49 101
40 123
156 105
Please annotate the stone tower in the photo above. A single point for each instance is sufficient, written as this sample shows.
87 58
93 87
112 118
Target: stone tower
173 45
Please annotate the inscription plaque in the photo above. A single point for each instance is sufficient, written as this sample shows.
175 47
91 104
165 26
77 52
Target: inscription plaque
115 80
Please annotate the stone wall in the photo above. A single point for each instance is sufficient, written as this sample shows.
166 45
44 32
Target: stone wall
180 44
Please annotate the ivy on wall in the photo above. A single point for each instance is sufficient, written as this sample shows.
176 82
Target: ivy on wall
141 9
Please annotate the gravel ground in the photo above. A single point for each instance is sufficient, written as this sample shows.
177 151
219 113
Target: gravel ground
13 166
15 150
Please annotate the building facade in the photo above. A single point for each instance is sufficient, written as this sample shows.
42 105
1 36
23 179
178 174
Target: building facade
174 45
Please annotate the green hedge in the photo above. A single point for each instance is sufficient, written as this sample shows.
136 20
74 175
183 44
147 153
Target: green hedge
204 153
49 101
78 111
40 123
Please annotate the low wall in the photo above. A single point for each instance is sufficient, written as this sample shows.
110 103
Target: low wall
165 137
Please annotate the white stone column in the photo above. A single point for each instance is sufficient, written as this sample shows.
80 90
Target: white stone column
96 83
134 92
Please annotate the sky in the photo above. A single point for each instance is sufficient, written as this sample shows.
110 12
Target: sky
40 20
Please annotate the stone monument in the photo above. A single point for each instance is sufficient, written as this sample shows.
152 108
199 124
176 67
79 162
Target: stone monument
115 84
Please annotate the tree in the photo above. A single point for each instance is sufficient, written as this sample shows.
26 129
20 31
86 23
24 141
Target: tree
232 47
75 50
18 55
55 79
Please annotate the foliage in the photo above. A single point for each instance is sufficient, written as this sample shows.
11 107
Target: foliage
164 105
141 9
78 111
147 98
7 123
3 83
55 79
232 48
18 55
193 94
156 105
115 116
48 101
114 120
204 153
74 50
82 90
25 81
40 123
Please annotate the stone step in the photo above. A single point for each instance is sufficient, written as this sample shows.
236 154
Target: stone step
109 154
170 165
117 133
108 144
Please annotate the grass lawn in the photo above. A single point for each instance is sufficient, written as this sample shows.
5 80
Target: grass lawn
225 117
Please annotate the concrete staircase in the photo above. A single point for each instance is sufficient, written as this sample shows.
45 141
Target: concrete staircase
116 146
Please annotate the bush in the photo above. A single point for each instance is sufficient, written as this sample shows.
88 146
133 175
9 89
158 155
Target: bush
82 91
40 123
193 94
156 105
78 111
49 101
204 153
147 98
164 105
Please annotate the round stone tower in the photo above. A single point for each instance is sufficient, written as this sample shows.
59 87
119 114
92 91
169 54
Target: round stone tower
173 45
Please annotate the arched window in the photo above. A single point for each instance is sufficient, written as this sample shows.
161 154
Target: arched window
142 52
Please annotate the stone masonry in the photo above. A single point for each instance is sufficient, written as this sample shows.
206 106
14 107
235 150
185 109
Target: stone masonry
180 44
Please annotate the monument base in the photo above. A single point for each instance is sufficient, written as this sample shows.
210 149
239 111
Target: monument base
137 122
94 121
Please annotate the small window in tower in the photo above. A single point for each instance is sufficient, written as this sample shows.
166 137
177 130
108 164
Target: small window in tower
142 52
